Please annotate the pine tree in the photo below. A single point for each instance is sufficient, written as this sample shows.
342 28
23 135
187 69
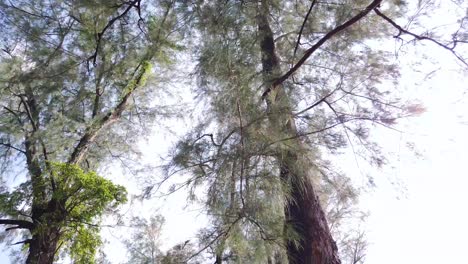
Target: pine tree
282 92
286 84
71 71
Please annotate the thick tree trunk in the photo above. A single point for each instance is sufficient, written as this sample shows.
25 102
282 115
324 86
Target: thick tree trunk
305 216
46 232
43 246
303 211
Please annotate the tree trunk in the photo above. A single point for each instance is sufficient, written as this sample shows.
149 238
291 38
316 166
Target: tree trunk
43 246
303 212
305 216
48 220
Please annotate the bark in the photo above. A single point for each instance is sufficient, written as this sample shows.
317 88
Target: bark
306 217
100 123
43 246
45 230
303 211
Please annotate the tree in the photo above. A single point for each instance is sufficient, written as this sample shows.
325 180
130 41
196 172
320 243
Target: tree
70 71
283 92
144 244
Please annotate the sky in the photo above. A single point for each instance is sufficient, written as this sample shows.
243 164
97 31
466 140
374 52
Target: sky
417 211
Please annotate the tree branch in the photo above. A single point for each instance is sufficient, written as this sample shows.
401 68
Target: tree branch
8 145
15 115
108 25
27 241
19 223
113 115
419 37
298 42
319 43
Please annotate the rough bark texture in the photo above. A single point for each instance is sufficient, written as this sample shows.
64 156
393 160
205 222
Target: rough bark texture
45 228
305 215
303 211
43 246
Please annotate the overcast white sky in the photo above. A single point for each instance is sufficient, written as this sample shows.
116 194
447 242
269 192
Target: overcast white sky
424 221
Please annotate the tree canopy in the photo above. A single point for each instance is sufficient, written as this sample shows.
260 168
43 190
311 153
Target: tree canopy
280 88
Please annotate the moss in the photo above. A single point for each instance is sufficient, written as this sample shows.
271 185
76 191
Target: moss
140 79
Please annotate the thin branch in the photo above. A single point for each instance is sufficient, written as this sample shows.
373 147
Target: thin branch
8 145
317 103
27 241
322 41
224 233
298 42
14 114
419 37
108 25
207 135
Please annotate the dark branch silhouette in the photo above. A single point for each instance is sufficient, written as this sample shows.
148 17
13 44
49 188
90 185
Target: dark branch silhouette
420 37
319 43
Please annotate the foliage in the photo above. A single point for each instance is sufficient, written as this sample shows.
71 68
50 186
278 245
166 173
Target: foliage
283 87
144 245
87 194
75 93
86 197
257 120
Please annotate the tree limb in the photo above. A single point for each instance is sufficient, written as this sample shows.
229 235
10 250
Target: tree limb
419 37
298 42
23 224
96 126
8 145
319 43
27 241
108 25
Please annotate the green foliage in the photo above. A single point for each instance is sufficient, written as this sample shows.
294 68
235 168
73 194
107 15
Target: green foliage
76 72
84 245
81 76
87 196
12 202
242 144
